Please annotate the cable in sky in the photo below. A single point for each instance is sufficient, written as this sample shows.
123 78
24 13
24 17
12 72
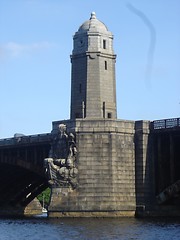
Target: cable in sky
151 50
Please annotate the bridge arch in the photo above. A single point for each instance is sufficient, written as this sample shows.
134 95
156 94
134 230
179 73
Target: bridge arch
22 175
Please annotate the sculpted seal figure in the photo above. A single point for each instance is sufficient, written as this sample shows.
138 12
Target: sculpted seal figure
61 166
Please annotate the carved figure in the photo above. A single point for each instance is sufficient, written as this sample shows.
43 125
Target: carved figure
61 166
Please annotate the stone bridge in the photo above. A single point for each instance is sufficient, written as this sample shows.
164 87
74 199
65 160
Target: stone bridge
22 175
140 159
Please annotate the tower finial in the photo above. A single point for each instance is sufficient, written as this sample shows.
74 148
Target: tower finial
93 15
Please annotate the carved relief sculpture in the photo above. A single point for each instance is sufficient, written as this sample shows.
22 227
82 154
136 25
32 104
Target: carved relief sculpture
61 166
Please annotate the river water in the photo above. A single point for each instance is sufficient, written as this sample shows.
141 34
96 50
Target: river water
89 229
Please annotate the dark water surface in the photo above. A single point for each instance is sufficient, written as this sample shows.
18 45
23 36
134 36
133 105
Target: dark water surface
89 228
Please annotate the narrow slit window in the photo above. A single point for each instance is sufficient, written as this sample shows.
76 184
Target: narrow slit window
105 65
104 44
80 88
109 115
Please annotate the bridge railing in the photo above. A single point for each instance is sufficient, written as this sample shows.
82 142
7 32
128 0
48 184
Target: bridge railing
166 123
46 137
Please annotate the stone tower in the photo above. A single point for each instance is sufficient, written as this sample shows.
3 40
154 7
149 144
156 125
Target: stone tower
93 90
99 180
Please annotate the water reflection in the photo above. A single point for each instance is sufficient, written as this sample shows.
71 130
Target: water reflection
89 228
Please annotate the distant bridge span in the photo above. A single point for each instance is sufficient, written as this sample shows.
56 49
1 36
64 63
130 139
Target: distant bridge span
22 175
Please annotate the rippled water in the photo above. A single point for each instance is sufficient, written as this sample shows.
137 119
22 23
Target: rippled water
89 228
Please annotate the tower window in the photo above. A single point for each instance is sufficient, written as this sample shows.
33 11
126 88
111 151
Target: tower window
104 44
109 115
105 65
104 109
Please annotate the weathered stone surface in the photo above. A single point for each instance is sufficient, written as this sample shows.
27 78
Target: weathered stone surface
98 214
33 208
106 165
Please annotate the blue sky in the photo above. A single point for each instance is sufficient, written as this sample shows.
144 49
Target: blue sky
35 69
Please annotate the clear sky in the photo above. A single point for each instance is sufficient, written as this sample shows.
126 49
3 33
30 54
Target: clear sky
35 68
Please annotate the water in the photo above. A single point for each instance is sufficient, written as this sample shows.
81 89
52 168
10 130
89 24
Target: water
89 229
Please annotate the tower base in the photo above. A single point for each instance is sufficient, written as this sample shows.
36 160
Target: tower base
106 171
62 201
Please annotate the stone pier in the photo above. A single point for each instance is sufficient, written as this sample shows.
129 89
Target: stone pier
106 170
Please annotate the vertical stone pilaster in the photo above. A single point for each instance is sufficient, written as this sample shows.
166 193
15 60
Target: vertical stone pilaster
143 165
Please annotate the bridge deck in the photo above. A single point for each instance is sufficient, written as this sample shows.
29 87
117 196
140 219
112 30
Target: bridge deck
26 140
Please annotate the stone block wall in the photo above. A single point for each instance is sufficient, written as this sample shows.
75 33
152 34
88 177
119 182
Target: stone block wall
106 164
78 84
145 195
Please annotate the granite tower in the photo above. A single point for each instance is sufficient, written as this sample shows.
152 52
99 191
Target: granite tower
93 90
99 178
